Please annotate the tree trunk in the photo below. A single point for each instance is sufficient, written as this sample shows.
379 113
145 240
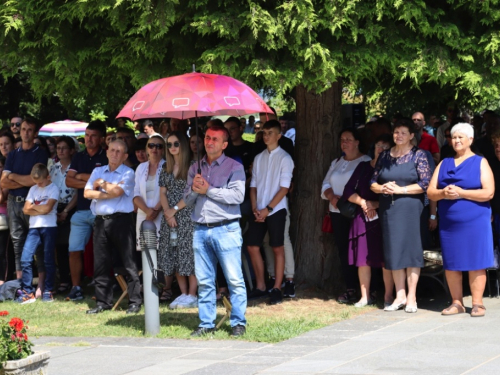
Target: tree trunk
316 146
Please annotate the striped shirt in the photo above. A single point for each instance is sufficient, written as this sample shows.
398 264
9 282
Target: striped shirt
226 178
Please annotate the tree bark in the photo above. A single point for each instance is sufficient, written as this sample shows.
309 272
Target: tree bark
316 146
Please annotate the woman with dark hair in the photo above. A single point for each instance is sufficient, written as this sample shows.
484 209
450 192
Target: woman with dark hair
7 142
197 147
176 255
365 235
401 177
66 204
51 148
339 173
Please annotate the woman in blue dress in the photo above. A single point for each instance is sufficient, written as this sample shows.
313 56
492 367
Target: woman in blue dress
463 186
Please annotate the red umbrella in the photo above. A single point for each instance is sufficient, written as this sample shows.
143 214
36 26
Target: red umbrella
192 95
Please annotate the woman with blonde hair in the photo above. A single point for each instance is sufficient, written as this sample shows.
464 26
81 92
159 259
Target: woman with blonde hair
176 233
463 186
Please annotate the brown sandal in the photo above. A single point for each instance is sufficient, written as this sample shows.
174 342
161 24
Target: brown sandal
476 313
453 309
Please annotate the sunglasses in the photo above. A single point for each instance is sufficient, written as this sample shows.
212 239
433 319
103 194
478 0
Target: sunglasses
16 124
175 144
158 146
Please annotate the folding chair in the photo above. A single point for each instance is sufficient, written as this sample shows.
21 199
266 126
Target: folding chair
123 286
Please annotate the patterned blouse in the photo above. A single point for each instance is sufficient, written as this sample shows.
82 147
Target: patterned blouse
424 173
58 176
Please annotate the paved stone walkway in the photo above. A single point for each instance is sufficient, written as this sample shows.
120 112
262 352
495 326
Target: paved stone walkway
373 343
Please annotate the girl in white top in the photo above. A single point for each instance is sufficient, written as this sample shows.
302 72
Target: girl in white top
337 177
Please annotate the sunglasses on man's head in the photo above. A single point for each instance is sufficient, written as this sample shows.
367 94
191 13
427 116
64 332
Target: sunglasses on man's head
175 144
158 146
16 124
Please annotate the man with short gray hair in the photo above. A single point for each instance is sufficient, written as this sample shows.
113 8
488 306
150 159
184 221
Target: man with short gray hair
111 189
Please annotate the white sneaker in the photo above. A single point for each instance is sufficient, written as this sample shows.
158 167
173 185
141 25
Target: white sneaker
176 302
188 302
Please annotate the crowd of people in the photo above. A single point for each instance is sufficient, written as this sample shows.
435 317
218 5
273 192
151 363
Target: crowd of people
213 195
63 208
385 202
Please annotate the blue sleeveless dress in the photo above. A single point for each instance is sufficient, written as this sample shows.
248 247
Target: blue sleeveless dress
464 225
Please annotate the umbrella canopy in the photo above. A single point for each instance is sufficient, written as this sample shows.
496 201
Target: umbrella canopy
65 127
192 95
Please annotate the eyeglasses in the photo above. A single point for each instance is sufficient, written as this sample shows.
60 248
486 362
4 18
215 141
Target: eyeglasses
383 147
16 124
62 148
175 144
158 146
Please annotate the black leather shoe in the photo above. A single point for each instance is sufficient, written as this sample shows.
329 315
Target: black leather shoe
98 309
238 330
202 331
133 309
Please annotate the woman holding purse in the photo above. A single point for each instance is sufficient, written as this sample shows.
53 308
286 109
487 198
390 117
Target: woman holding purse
335 180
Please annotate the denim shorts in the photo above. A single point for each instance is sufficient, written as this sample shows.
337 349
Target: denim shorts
81 229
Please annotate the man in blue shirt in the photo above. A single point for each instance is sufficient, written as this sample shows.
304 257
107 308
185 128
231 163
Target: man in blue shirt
111 189
16 177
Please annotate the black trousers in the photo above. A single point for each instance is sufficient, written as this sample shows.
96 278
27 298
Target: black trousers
115 237
341 226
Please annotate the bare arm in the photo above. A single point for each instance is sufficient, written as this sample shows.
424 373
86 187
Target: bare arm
433 193
436 158
41 209
7 183
23 180
73 179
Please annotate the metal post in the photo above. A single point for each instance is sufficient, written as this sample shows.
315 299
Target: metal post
151 298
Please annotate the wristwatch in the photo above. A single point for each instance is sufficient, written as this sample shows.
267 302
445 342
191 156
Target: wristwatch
433 217
176 208
270 209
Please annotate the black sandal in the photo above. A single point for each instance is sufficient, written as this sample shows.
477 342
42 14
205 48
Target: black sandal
166 295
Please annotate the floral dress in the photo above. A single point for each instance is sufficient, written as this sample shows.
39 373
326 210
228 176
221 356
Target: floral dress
181 258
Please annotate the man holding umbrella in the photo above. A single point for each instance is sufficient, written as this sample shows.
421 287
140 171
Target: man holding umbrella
217 191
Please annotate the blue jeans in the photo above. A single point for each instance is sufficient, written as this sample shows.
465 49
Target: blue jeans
47 237
220 244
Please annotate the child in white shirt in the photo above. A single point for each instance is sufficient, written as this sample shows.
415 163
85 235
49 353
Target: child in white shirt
41 205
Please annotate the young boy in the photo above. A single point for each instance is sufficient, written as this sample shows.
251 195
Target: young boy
41 205
271 177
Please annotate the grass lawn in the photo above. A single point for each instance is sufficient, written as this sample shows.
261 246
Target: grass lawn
308 311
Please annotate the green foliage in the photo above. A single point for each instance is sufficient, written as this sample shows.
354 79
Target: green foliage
97 115
96 54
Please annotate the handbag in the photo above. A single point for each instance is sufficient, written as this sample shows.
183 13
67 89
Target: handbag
326 227
346 208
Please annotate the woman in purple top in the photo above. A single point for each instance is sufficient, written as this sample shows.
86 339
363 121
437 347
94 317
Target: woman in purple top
365 234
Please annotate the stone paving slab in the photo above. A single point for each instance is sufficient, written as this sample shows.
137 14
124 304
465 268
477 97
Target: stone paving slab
373 343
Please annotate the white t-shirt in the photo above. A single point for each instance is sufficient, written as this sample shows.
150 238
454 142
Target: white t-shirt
41 196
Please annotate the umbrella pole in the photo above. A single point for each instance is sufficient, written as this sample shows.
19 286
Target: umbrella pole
197 138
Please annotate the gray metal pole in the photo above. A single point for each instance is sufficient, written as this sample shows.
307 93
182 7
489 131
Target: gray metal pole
151 298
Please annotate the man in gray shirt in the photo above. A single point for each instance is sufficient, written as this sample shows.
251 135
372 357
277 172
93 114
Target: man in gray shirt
217 193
